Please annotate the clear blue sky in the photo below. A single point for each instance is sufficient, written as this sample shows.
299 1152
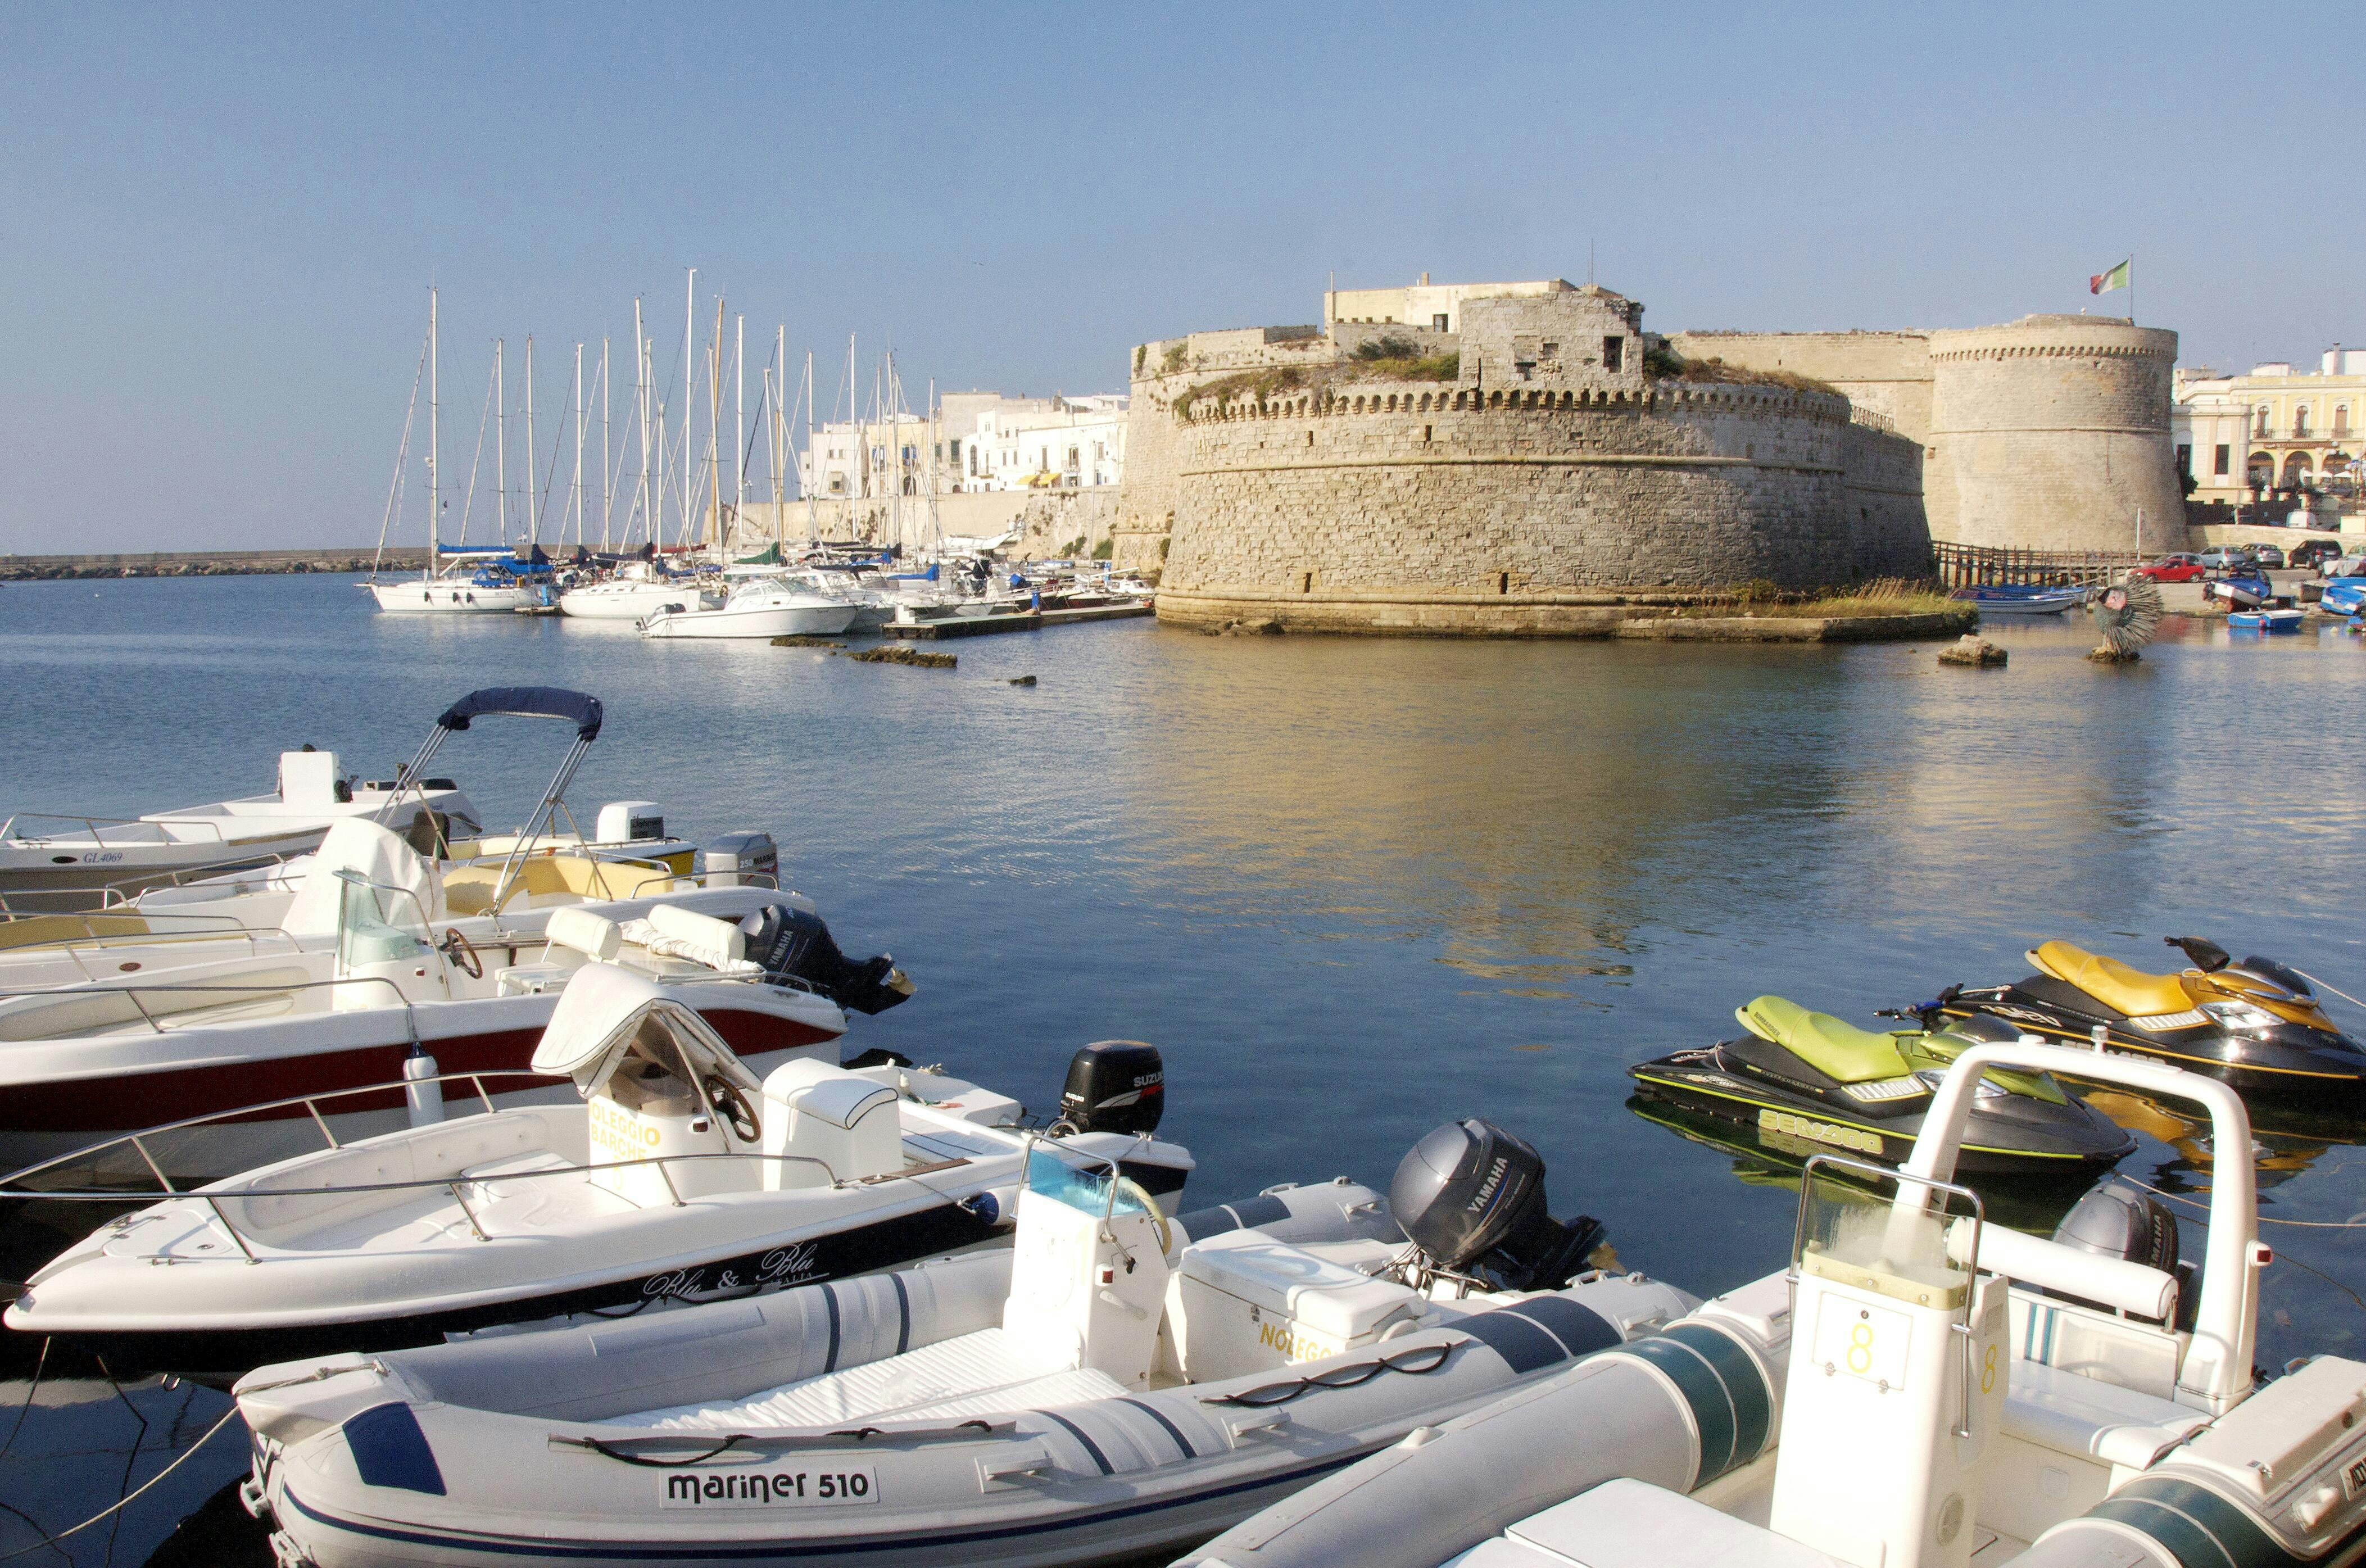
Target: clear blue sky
220 222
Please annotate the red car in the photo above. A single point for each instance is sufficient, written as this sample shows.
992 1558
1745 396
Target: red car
2174 569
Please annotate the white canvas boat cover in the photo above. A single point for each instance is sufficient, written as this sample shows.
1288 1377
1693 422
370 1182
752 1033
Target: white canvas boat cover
604 1010
378 856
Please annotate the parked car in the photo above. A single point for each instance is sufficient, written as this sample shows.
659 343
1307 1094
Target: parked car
2179 568
2224 558
2312 552
2267 556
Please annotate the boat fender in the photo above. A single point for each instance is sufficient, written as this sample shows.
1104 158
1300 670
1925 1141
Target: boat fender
423 1096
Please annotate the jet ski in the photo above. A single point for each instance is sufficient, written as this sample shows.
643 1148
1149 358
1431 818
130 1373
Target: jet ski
2255 1024
1811 1077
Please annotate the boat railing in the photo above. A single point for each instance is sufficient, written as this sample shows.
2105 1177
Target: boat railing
122 894
15 1186
96 825
251 991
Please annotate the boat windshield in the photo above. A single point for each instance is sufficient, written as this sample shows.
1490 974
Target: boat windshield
1081 1185
373 924
1872 1230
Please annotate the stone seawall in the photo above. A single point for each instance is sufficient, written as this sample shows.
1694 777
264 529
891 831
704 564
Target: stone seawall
205 563
1428 492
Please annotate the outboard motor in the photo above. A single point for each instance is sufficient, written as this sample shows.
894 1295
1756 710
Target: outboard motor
1114 1086
1472 1197
2116 1221
793 944
629 821
742 860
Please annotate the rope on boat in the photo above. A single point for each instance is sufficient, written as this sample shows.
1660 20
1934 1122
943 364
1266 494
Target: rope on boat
2357 1224
1337 1377
129 1498
612 1452
2337 990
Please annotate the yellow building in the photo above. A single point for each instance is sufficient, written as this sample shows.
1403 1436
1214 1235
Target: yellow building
2273 429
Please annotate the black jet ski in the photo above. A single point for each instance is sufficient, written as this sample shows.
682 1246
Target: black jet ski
2255 1024
1807 1077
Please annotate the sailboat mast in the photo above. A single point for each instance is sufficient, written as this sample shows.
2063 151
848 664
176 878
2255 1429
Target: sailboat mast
813 468
577 498
607 461
641 407
689 341
502 436
434 447
715 429
532 515
739 415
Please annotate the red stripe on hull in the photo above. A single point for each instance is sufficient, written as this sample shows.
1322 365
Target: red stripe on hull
102 1105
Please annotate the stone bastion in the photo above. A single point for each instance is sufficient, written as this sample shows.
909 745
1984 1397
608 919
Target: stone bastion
1507 476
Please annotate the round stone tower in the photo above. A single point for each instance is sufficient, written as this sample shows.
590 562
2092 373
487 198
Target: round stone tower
2052 433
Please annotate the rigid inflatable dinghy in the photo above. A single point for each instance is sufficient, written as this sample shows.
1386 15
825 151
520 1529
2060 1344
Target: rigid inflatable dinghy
1918 1388
677 1175
1114 1385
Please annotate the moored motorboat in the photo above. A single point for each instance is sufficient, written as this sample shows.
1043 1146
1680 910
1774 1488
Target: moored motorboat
1919 1388
2283 621
52 862
668 1171
765 607
1797 1076
1112 1386
2020 599
2257 1024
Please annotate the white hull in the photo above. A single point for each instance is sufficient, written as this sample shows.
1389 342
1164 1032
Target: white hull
764 621
607 602
447 598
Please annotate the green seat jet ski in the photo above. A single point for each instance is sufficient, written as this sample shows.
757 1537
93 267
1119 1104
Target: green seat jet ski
1807 1079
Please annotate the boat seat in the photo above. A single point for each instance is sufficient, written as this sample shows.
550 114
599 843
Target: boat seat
1627 1523
2088 1418
975 1374
594 936
2115 985
1839 1050
468 889
671 932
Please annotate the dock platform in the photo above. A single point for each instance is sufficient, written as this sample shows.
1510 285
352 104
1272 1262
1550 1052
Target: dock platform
1024 621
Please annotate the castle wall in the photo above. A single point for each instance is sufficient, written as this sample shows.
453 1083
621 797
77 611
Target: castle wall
1420 488
2056 431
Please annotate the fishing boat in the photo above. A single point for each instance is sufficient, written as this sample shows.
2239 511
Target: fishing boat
1918 1387
53 861
764 607
667 1172
2280 622
2021 599
1800 1076
1112 1386
2245 591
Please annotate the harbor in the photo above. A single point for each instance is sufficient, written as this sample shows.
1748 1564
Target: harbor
870 789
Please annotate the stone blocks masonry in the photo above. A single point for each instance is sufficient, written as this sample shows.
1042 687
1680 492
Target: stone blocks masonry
1272 473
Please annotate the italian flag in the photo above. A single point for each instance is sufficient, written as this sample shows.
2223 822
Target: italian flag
2117 277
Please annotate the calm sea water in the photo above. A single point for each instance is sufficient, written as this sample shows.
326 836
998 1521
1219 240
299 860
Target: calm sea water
1351 889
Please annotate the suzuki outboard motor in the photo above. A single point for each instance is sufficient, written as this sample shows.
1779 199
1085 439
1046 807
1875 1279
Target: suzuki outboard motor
793 944
1472 1197
1114 1086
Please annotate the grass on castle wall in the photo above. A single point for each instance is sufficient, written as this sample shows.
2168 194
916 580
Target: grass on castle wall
1883 596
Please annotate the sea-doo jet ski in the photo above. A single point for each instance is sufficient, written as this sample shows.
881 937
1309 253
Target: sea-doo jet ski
2257 1024
1809 1077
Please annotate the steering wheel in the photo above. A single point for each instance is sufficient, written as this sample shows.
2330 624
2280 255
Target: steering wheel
456 949
732 1105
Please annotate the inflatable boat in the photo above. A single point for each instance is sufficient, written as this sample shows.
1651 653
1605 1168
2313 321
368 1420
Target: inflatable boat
1919 1388
676 1173
1115 1385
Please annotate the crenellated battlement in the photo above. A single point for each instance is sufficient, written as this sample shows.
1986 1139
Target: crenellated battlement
1664 396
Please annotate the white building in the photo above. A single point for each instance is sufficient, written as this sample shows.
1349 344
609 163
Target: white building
1073 444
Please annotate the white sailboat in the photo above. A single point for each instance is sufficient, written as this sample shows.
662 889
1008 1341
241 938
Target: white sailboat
462 582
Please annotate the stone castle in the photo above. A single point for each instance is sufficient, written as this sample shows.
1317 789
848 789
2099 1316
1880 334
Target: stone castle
1508 458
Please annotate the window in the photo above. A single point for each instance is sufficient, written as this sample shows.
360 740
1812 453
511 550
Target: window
1613 353
2300 419
1438 323
1552 351
2259 420
2221 455
2341 418
837 484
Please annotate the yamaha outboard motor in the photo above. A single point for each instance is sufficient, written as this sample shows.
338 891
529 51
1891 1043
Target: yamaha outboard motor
793 944
2116 1221
1471 1196
1114 1086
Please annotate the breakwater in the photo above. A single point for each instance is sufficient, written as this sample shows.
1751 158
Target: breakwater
205 563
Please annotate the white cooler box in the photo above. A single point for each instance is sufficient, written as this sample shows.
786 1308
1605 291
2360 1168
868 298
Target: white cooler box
1246 1303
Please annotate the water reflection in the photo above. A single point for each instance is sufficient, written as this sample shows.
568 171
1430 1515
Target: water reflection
1355 888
